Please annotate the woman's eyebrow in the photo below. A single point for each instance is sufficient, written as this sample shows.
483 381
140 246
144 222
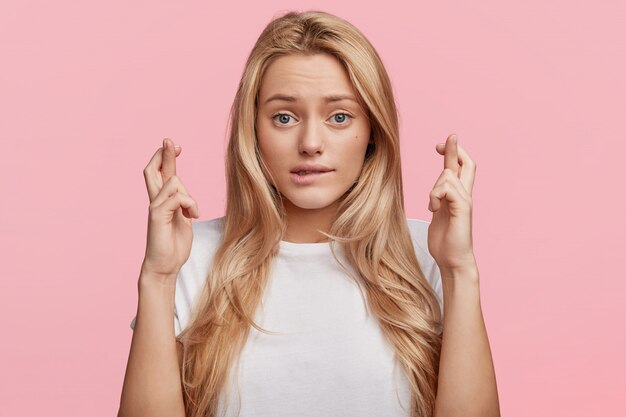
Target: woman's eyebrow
328 99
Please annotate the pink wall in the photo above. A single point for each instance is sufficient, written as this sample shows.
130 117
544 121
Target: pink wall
535 92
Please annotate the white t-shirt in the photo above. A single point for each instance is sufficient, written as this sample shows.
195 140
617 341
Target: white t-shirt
331 358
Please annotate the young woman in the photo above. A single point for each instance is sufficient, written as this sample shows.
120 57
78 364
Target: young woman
314 295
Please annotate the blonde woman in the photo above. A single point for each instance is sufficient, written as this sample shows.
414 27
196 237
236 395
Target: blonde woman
314 295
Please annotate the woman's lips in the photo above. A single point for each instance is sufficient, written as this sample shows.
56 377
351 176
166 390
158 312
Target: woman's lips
307 179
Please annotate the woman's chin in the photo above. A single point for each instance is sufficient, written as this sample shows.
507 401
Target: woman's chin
309 203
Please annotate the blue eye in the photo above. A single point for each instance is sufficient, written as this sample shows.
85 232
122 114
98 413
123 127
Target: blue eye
282 118
343 117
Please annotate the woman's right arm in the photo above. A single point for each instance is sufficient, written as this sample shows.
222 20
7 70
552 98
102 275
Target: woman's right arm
152 384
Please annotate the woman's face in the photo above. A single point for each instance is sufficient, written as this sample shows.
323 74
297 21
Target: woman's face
312 133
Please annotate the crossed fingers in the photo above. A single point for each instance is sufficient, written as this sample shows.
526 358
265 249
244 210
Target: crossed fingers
458 162
456 179
161 168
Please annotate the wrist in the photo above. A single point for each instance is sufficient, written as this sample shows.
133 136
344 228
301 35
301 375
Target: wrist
465 280
151 279
467 273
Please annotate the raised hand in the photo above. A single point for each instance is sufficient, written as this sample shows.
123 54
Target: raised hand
450 231
169 221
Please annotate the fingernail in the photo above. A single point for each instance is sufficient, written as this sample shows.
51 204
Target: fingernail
177 146
164 143
454 138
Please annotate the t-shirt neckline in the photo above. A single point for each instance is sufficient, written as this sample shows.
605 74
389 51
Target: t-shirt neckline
302 248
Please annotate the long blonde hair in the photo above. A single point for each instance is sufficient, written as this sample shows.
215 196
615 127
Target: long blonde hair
371 225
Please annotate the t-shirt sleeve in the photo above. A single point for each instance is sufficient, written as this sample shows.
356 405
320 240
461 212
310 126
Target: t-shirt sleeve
419 235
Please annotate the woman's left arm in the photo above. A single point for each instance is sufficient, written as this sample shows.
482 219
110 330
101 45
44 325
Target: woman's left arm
467 381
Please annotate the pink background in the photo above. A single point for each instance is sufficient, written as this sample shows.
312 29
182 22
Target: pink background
535 92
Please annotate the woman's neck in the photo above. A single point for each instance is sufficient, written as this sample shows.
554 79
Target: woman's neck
303 224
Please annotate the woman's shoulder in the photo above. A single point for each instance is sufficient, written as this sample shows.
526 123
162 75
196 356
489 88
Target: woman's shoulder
208 231
419 233
417 223
207 237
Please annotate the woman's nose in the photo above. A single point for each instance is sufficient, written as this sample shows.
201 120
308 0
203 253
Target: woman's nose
311 139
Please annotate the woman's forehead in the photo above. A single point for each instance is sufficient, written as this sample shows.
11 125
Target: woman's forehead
293 78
